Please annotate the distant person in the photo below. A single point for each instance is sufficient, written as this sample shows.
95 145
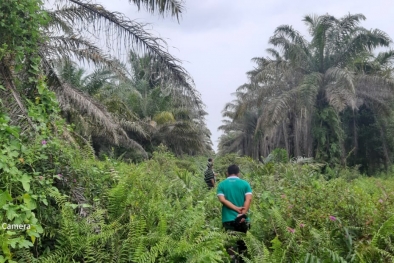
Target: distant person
236 195
209 175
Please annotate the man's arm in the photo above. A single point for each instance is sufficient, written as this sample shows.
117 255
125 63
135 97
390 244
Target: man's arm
248 200
213 182
230 205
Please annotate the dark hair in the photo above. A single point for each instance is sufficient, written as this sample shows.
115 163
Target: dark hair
210 160
233 169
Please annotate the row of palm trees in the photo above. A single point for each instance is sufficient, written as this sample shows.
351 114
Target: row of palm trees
328 96
133 105
147 110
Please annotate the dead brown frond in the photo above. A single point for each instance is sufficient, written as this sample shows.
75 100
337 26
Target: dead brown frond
13 101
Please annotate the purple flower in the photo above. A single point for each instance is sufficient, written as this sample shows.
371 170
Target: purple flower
40 177
302 225
380 201
60 175
75 181
283 196
291 230
43 142
333 218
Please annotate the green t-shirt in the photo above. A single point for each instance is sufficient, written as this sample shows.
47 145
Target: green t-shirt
234 190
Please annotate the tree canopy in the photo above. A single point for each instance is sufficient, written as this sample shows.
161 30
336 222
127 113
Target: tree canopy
100 103
313 94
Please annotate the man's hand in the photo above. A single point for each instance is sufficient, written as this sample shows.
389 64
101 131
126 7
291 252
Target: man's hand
243 219
230 205
242 212
239 210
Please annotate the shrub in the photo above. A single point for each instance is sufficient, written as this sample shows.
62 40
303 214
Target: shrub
160 211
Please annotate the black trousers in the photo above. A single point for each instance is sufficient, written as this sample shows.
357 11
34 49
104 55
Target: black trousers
243 228
209 186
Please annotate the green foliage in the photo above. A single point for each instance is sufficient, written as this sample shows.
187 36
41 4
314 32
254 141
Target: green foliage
143 106
160 211
143 222
35 39
80 209
246 164
375 132
20 32
26 178
329 136
277 156
164 117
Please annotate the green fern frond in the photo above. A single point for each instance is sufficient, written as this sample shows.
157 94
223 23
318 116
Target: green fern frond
385 229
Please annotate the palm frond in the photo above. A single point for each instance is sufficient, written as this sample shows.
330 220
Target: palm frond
105 24
292 34
336 74
376 92
311 22
66 48
175 7
58 23
385 58
349 22
69 97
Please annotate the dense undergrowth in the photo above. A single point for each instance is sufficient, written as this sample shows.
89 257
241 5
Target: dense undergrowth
84 210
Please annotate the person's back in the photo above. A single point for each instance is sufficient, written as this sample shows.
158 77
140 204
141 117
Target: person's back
236 195
234 190
209 175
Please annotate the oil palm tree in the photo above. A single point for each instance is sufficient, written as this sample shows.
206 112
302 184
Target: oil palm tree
145 106
240 130
182 131
62 34
170 116
87 128
302 89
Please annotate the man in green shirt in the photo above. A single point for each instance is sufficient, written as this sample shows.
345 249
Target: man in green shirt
236 195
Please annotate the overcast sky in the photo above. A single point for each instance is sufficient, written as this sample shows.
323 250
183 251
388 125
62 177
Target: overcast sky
216 39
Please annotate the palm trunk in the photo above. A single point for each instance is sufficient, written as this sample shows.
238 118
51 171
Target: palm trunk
286 138
260 149
6 77
355 135
243 145
384 143
292 135
296 138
